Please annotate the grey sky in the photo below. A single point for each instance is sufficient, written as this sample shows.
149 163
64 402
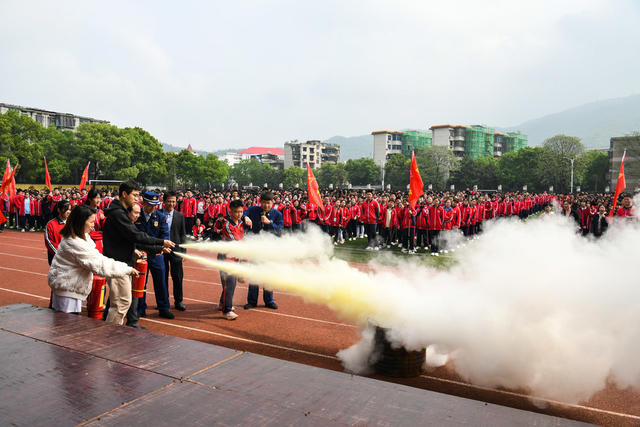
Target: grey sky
221 74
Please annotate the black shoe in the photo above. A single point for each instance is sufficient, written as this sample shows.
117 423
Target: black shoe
166 314
136 325
180 306
249 306
272 305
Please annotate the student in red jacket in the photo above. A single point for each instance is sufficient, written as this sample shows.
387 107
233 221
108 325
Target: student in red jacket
197 231
436 216
422 225
408 226
370 209
188 209
298 215
52 235
230 229
345 216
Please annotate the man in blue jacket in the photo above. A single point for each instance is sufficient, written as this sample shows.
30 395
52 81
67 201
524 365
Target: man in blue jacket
154 223
263 218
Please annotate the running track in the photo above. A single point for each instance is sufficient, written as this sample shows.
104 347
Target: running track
299 332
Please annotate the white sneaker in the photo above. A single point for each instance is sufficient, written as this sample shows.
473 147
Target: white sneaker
403 250
369 248
388 246
22 231
230 315
376 248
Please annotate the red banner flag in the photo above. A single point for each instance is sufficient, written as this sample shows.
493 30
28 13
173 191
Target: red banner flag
5 177
416 187
9 183
314 192
85 176
621 185
47 177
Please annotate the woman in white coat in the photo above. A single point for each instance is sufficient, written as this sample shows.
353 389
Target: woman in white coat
77 260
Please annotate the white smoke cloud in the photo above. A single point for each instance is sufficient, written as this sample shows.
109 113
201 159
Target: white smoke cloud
531 305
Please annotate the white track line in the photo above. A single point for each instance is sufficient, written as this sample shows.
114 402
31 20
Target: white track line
23 256
240 338
24 293
273 313
530 397
23 271
23 246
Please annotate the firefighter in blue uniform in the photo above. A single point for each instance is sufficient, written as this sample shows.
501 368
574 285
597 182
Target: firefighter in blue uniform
154 223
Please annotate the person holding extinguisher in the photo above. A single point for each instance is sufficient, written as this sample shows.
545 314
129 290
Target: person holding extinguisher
154 223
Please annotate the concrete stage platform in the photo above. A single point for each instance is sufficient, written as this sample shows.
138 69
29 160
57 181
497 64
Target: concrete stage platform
62 369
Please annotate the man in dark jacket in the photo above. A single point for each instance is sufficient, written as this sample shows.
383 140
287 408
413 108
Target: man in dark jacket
177 234
262 218
120 236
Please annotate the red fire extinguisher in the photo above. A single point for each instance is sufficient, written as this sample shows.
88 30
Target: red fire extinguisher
138 282
95 301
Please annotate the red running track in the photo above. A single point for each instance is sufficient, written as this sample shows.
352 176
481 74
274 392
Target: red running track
297 331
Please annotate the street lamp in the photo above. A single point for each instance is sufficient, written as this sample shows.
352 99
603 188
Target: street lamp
572 160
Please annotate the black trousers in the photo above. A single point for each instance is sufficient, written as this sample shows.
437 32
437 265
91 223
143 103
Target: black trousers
422 239
370 229
188 224
173 265
434 236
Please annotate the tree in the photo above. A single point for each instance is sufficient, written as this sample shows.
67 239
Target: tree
396 171
435 165
362 171
595 166
482 172
560 149
330 173
524 167
294 175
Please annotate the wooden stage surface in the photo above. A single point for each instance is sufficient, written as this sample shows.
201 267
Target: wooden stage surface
63 369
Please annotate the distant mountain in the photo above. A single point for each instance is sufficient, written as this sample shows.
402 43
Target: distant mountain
168 148
353 147
595 123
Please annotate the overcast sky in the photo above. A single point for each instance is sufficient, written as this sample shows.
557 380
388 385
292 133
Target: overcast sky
220 74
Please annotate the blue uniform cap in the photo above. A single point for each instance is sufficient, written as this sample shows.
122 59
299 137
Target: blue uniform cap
151 197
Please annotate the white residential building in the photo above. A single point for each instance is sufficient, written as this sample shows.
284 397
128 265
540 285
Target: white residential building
386 143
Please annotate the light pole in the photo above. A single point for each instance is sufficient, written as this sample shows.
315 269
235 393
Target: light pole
572 160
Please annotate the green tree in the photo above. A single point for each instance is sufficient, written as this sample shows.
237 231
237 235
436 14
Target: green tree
396 171
524 167
330 173
435 165
595 167
294 175
482 172
560 150
362 171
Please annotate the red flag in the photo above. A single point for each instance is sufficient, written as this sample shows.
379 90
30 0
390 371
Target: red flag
314 192
621 185
85 176
416 187
47 177
9 183
5 177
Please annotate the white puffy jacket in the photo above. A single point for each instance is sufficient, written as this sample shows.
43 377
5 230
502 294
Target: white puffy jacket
77 260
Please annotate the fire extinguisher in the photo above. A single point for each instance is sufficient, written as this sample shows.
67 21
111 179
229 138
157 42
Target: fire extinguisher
95 301
138 282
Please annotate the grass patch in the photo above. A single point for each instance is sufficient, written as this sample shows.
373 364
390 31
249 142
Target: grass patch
354 251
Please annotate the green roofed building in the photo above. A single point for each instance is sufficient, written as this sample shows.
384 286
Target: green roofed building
413 139
514 141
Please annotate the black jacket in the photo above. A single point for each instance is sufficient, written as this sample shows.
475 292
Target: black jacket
178 231
120 236
604 224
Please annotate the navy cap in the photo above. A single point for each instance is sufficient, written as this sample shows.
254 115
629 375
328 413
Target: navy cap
151 197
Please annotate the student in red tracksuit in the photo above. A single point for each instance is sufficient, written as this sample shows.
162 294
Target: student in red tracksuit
436 216
334 222
298 215
465 220
408 226
94 201
422 225
197 231
230 229
627 210
352 227
480 216
188 209
36 212
345 217
389 223
473 219
288 213
370 209
324 216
